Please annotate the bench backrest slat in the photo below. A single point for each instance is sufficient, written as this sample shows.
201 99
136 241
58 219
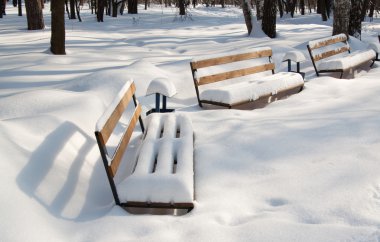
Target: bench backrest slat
109 126
235 73
331 41
230 59
118 155
327 54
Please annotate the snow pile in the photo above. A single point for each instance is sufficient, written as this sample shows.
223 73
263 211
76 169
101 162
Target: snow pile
164 169
254 89
346 61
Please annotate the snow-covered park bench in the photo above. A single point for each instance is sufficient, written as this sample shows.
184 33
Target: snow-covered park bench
228 80
162 173
332 54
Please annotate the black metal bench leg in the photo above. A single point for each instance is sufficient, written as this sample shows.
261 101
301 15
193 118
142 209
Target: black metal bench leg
341 75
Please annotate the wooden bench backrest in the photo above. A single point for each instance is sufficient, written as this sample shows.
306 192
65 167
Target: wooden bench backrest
328 53
260 53
103 133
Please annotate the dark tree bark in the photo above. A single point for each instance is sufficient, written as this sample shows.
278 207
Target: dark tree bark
78 11
57 40
292 7
366 5
2 8
269 18
222 3
19 5
247 12
181 5
302 7
355 26
371 10
341 16
328 7
132 6
14 2
259 9
323 9
100 13
280 8
34 14
72 10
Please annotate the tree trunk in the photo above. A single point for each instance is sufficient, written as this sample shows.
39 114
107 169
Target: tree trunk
100 13
132 6
341 16
328 7
181 5
247 12
19 5
371 11
355 26
72 10
57 41
292 7
302 7
280 8
259 9
2 8
34 14
322 8
365 8
269 18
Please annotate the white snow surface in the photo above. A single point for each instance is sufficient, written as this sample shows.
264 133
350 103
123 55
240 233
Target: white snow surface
301 169
294 55
346 61
160 183
162 86
253 89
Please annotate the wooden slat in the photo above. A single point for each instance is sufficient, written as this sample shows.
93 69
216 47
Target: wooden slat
115 116
236 73
124 142
330 53
230 59
329 42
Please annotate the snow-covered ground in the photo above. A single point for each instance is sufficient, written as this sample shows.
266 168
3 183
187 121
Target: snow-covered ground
301 169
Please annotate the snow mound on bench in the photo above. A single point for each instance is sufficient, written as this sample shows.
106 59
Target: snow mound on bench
156 178
253 90
347 61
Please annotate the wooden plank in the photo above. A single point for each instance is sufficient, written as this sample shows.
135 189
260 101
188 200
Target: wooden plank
124 141
230 59
158 205
329 42
330 53
115 116
236 73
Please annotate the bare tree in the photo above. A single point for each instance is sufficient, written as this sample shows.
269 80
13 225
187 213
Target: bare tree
341 16
34 14
57 40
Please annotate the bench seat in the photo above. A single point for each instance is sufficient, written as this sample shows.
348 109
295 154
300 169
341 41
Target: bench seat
164 169
237 93
347 61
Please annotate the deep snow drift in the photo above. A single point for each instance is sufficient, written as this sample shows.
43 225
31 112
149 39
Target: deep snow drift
301 169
